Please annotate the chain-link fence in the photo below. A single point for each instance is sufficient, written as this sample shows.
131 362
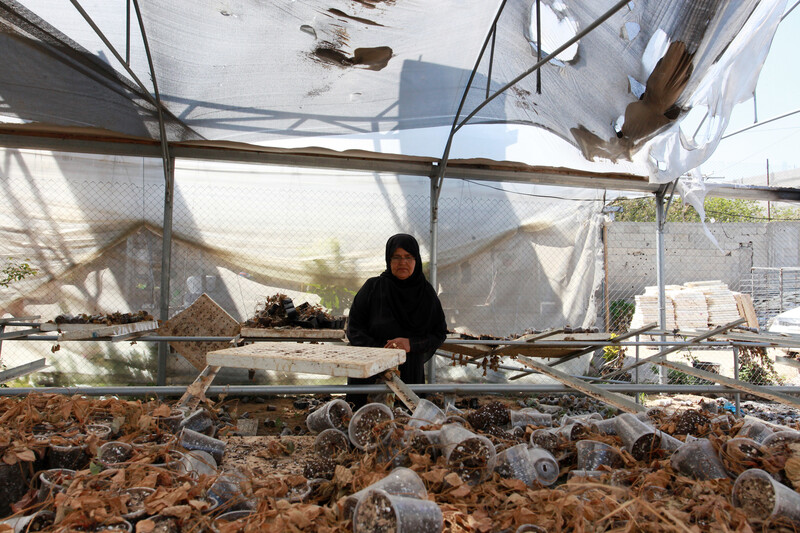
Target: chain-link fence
507 263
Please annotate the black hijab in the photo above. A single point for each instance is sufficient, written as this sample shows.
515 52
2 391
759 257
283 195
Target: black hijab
412 300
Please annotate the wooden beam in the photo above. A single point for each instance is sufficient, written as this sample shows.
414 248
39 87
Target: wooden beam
405 394
617 400
662 355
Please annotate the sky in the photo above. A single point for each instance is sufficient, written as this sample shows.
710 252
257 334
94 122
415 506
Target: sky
746 154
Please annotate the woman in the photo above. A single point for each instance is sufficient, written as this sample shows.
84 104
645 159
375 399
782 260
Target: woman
398 309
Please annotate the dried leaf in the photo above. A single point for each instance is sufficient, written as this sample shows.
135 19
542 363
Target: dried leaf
436 475
460 491
145 526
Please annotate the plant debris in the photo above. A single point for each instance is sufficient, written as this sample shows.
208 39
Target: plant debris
281 485
278 311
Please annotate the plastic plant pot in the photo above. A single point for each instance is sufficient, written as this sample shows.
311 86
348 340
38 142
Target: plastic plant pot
640 439
781 437
380 511
198 462
114 527
544 438
697 459
592 454
103 431
739 454
547 470
71 456
471 456
530 417
54 481
527 465
421 442
427 414
171 423
604 427
583 419
400 481
754 430
572 431
371 426
228 489
761 497
200 421
334 414
135 501
722 422
192 440
33 522
114 453
668 442
331 443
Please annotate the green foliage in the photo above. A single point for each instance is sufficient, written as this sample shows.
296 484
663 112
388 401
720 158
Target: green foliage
334 280
676 377
621 313
717 209
15 270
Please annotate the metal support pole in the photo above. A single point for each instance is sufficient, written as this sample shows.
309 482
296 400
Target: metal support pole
166 263
662 297
737 397
434 228
636 370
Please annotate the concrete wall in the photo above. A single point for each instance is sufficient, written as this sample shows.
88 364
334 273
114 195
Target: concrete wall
691 256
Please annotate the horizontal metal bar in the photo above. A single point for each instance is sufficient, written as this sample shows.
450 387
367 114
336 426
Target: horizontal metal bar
22 370
8 335
449 388
551 344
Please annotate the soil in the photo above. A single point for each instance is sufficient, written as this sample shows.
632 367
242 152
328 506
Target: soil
469 459
340 416
136 498
756 497
115 454
375 514
544 438
331 443
268 455
42 521
644 446
371 428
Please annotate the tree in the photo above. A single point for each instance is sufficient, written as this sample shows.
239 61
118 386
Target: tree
717 210
15 271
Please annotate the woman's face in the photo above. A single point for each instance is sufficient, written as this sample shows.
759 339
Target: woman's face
402 264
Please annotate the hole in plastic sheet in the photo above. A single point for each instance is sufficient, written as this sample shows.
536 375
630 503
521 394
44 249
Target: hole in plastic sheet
557 28
637 88
305 28
630 30
618 125
698 127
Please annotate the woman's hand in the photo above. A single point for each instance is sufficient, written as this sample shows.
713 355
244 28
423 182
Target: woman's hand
399 342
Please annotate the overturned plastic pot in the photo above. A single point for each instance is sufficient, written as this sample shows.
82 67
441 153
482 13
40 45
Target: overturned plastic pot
697 459
380 511
192 440
593 454
529 465
371 426
763 498
335 414
639 438
427 413
471 456
530 417
400 482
